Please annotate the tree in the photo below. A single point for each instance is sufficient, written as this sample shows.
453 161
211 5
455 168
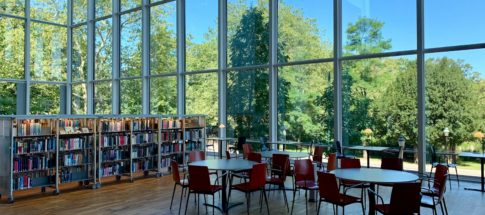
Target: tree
365 36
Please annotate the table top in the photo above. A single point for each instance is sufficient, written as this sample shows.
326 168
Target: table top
373 175
269 154
225 164
221 139
369 148
472 155
284 142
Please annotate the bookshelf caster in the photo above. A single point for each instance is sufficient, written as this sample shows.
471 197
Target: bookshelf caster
118 178
56 192
10 200
158 175
42 189
145 173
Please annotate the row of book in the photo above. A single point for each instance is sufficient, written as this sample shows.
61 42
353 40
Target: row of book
72 143
33 163
171 124
76 124
33 127
193 145
115 126
116 169
28 181
194 122
71 174
142 125
170 148
169 136
141 166
193 134
34 145
143 152
114 140
144 138
114 155
74 159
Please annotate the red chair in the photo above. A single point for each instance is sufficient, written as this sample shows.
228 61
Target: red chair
196 156
435 195
228 155
405 199
246 150
304 180
257 182
184 183
255 157
346 163
199 183
318 156
392 164
329 192
279 171
332 162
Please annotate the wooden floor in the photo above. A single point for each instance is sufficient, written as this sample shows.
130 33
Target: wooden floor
152 196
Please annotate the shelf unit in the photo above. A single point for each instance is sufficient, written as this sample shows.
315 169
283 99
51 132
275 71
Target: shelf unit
144 145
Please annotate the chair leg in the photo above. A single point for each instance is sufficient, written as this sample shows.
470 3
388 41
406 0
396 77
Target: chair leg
282 187
457 177
213 204
318 208
306 202
442 210
343 210
266 200
248 201
261 201
187 203
181 197
444 203
293 203
205 201
173 194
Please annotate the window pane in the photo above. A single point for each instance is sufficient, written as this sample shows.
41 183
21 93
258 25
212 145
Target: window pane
14 7
8 98
11 48
129 4
51 11
305 30
45 99
378 26
455 97
163 95
163 42
449 22
79 99
201 96
305 103
48 57
79 11
201 34
380 102
102 97
248 33
248 104
79 53
131 96
103 7
103 50
131 44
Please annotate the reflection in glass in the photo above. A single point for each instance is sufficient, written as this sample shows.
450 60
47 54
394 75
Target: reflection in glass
201 96
103 61
248 103
79 11
79 53
51 11
45 99
131 44
305 103
248 33
163 95
8 98
131 96
102 97
305 30
163 43
79 99
48 52
11 48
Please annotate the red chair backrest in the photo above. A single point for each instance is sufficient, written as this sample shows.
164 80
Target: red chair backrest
175 171
228 155
332 162
405 198
199 179
258 176
246 150
440 177
346 163
253 156
196 156
328 187
304 170
281 162
392 163
318 154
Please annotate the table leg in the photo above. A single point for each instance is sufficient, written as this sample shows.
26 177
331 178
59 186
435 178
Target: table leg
372 200
220 149
482 179
368 158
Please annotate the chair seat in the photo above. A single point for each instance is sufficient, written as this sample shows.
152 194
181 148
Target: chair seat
245 187
275 180
384 209
344 200
348 183
184 182
428 201
307 184
213 189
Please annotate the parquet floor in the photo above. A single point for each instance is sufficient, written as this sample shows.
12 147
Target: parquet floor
152 196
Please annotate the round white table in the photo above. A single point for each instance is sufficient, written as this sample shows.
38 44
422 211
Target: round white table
292 155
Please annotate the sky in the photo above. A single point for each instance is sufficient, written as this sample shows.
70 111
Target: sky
447 22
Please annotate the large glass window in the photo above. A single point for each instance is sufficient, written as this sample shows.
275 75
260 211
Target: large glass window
202 36
14 7
79 53
163 39
163 95
45 98
79 11
11 48
51 11
248 104
131 44
103 58
103 8
48 52
378 26
131 96
102 97
305 103
201 96
247 33
8 98
305 30
129 4
79 99
380 102
449 23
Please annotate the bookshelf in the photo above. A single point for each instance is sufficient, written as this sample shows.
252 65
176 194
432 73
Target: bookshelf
171 142
144 145
194 134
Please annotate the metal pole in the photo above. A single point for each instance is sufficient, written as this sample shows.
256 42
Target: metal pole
421 88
